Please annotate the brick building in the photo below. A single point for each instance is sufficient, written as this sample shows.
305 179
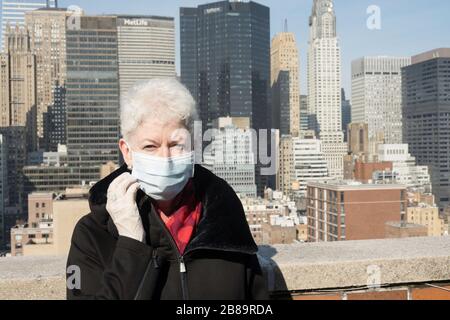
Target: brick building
352 211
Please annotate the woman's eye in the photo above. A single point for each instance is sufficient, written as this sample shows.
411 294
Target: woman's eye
179 146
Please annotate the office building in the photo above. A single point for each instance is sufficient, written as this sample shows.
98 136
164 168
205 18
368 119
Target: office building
428 216
324 85
18 94
426 117
55 121
13 11
48 43
3 189
92 95
14 146
285 84
231 154
377 96
146 48
225 60
353 211
346 114
404 167
304 117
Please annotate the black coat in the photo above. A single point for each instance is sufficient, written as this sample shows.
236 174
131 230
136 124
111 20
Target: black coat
220 262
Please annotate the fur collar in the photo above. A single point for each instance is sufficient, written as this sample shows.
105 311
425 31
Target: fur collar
223 225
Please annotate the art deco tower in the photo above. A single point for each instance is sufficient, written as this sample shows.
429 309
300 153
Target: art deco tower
324 84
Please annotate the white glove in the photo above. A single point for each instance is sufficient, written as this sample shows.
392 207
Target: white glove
122 207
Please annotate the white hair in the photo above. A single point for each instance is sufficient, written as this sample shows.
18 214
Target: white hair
165 99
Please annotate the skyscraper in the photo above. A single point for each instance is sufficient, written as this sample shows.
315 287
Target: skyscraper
15 205
13 11
285 84
48 42
92 95
231 155
225 63
377 96
426 116
146 47
18 84
55 120
346 114
304 113
301 161
225 60
324 84
3 188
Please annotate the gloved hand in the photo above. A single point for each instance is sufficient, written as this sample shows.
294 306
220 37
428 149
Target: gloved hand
121 205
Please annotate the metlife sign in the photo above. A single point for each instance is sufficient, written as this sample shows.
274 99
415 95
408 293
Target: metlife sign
213 10
135 22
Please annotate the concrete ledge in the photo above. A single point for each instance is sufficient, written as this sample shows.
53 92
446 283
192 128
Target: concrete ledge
32 278
310 267
348 264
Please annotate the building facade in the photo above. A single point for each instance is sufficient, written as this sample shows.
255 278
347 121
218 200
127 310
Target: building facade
3 189
13 11
428 216
304 118
377 96
346 114
353 211
40 208
18 83
426 117
225 60
231 154
301 160
48 43
146 49
15 205
285 84
92 95
324 85
404 167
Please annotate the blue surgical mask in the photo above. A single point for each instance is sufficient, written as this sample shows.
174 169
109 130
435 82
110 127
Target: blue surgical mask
162 178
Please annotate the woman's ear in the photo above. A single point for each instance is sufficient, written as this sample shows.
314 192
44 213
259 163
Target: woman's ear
126 153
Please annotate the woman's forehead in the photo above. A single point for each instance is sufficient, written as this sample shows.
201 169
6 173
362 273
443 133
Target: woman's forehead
154 129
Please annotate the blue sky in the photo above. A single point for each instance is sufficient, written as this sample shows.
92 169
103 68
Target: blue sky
408 27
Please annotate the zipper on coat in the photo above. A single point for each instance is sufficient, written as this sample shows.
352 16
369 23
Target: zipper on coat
183 278
183 270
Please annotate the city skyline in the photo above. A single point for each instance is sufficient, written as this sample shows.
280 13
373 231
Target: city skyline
402 32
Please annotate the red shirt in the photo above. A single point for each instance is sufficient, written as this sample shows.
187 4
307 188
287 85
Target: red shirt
182 222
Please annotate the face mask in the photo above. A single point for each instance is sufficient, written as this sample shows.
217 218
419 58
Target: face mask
162 178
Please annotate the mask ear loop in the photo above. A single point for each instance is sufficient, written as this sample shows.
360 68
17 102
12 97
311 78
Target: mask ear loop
129 150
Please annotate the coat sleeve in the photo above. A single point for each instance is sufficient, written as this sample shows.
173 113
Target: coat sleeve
257 284
88 278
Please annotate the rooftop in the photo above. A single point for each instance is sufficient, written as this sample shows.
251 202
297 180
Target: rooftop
347 185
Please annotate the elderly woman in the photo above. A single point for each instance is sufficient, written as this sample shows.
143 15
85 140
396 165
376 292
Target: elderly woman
161 226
